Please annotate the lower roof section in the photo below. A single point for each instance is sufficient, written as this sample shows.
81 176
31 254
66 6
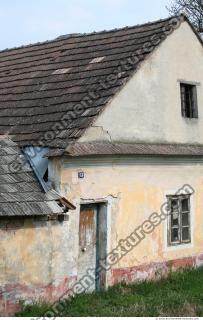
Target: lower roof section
20 191
102 148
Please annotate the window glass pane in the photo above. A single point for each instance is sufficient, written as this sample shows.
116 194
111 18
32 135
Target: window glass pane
185 219
182 88
175 219
185 204
174 235
185 233
188 102
195 111
174 205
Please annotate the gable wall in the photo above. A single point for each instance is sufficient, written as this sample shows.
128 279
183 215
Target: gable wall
148 109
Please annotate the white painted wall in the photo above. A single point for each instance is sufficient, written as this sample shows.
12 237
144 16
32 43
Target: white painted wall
148 109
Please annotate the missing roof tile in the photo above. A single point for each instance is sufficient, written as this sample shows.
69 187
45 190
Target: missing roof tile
96 60
61 71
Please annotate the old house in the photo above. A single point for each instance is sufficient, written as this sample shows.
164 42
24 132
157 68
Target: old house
30 231
119 116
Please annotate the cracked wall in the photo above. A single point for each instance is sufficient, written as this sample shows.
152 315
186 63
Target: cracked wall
148 108
134 189
35 261
40 258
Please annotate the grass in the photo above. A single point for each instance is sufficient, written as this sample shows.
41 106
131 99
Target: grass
181 294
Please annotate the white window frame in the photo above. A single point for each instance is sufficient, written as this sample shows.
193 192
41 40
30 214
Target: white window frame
180 241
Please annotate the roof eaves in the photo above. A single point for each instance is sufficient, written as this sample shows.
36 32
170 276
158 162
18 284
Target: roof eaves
62 200
145 149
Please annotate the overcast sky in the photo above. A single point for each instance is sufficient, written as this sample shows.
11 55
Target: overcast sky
28 21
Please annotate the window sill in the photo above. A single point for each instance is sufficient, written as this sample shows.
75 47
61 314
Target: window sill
182 246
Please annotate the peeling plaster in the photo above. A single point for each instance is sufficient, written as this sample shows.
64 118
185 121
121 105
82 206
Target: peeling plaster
39 258
100 133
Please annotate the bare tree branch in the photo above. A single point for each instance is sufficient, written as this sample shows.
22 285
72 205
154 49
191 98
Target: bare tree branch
192 8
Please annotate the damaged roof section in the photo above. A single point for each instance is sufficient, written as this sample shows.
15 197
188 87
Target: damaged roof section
45 83
20 192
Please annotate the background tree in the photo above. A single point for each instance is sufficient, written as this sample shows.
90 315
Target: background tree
192 8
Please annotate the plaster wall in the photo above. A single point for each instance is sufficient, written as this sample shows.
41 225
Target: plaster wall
35 261
134 189
148 108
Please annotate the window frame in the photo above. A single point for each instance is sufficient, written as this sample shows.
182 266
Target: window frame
180 226
191 111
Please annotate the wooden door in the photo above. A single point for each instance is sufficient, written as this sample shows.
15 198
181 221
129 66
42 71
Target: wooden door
87 241
93 243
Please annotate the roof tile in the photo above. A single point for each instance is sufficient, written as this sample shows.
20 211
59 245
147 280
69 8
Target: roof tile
20 191
40 84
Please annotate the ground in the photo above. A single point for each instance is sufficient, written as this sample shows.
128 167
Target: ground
181 294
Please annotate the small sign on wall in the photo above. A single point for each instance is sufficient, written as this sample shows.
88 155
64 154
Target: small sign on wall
81 175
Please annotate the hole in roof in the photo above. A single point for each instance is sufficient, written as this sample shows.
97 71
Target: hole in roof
36 156
46 176
97 60
61 71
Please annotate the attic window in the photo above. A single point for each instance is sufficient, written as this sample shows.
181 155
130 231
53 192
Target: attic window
97 60
61 71
189 100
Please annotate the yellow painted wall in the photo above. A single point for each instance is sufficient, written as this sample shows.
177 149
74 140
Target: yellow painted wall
40 258
35 261
134 191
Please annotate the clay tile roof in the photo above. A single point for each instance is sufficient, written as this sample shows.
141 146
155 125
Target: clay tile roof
45 83
142 149
20 191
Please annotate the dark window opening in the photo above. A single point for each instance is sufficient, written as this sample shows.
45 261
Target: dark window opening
46 175
179 220
38 160
189 101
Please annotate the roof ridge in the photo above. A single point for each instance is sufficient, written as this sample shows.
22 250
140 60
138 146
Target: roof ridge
78 35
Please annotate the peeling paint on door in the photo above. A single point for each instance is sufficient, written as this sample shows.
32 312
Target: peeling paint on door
92 242
87 241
